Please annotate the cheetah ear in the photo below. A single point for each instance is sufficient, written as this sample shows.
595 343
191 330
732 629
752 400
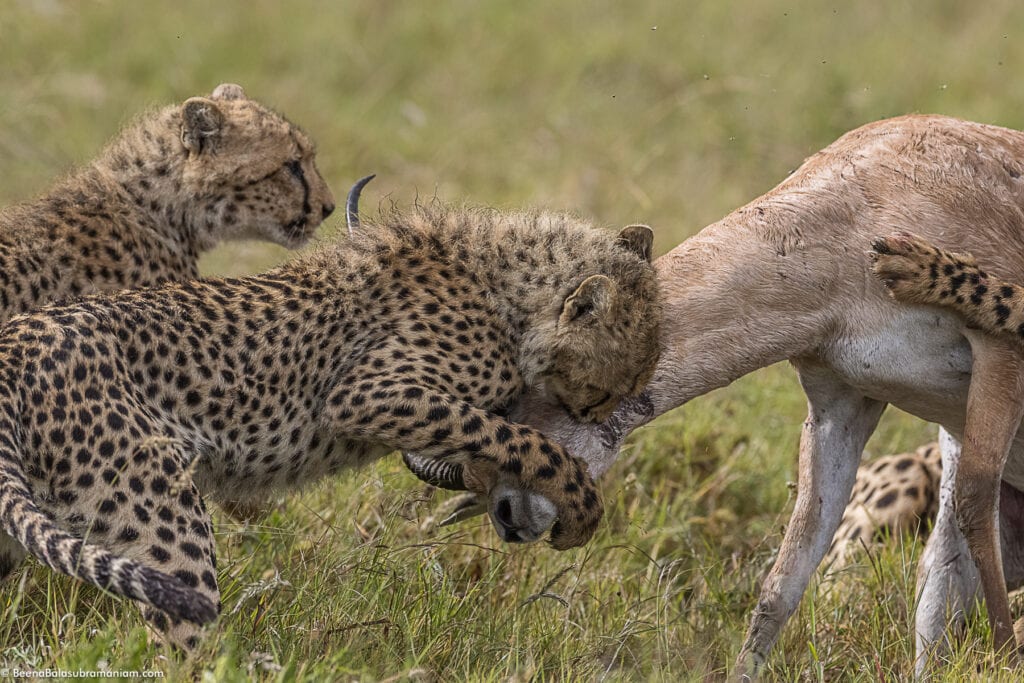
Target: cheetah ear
639 239
592 299
228 91
201 122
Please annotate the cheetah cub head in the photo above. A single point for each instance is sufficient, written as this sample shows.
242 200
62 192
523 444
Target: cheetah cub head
603 345
249 172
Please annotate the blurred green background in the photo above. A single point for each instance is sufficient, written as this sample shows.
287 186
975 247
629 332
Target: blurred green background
670 113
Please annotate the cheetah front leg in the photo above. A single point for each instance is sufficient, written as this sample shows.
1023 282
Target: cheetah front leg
246 511
501 459
839 422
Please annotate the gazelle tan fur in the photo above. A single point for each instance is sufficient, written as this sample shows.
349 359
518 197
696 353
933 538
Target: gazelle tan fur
787 277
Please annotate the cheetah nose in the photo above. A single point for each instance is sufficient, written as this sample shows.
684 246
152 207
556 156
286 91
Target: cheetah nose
328 210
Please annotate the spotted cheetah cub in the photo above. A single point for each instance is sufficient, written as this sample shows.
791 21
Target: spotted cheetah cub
171 185
894 494
117 414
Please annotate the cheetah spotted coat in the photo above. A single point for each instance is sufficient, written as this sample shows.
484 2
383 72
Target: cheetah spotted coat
172 184
118 414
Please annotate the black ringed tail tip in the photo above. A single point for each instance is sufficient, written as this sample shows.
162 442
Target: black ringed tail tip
172 596
352 203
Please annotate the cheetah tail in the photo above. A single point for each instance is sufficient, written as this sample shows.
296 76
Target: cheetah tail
39 534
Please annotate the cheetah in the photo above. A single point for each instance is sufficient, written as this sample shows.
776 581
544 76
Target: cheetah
172 184
894 494
916 271
119 413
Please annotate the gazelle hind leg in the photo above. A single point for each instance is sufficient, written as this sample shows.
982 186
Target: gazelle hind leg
948 584
1011 532
995 405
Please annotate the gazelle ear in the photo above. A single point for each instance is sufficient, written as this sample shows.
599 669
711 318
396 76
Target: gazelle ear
639 239
591 300
201 122
228 91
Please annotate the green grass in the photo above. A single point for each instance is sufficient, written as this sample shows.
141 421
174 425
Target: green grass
668 112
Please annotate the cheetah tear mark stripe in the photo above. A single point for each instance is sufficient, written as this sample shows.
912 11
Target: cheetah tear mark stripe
68 554
295 168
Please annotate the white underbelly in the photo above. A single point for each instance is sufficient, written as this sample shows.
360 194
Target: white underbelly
918 360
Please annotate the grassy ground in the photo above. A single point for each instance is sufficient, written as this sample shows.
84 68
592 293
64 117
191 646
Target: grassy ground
671 113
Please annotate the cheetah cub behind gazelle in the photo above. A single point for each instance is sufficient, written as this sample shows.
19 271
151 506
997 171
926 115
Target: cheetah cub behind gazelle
171 185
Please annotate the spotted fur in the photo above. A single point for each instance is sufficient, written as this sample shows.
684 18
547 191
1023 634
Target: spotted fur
118 414
894 494
170 185
916 271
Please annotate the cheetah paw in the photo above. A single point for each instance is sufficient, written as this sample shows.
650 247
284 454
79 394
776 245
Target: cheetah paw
911 268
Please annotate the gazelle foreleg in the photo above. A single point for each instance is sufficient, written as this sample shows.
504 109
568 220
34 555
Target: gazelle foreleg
838 424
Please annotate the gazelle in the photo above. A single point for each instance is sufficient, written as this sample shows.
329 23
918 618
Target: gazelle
787 277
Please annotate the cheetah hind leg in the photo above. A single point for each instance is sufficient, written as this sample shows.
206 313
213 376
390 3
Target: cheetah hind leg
246 511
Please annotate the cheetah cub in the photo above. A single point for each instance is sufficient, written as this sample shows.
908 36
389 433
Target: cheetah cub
117 414
171 185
